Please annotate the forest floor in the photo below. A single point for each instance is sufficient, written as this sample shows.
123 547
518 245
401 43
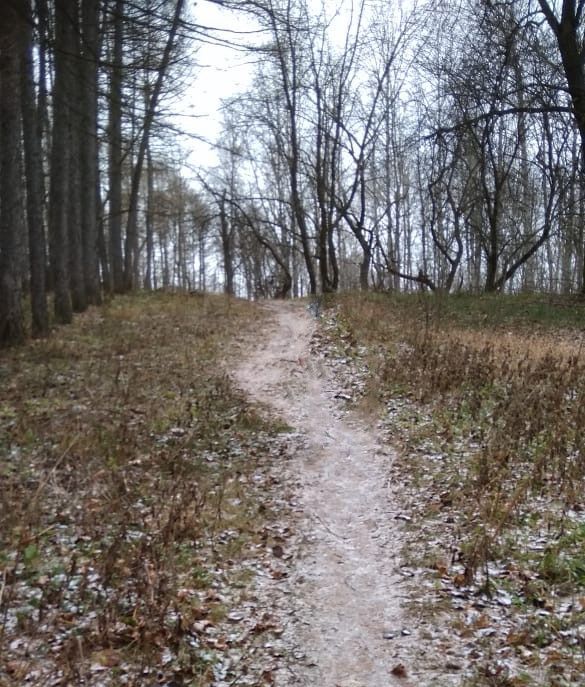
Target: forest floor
341 604
198 491
482 399
438 499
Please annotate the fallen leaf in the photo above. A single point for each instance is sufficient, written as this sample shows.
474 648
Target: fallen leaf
399 670
442 569
517 638
108 658
453 666
202 625
482 622
277 574
235 617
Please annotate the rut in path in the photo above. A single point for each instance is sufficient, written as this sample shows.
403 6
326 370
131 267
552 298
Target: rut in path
344 607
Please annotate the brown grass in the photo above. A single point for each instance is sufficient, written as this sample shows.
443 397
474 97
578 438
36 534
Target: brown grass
487 412
123 448
517 394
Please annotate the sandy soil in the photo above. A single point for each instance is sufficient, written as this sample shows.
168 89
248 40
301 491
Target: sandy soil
342 601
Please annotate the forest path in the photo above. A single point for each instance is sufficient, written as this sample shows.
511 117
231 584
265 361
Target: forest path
342 598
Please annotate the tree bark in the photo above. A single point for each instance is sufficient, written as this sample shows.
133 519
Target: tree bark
32 138
11 229
76 144
115 151
60 162
227 248
90 10
149 221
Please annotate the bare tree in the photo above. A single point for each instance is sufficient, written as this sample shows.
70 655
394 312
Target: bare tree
131 243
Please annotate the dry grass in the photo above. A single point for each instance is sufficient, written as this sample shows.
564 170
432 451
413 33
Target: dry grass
518 393
125 452
489 413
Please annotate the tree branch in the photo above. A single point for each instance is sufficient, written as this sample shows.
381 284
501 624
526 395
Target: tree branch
500 113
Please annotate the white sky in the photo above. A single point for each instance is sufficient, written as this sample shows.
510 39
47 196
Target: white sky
222 72
225 71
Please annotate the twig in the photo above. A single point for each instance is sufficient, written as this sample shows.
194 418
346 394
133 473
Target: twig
339 536
44 483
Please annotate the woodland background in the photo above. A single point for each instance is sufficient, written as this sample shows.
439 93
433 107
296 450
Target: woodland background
396 146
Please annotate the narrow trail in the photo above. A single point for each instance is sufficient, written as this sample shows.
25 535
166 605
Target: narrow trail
343 601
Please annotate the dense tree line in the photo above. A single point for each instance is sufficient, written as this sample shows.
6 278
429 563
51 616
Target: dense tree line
438 146
81 88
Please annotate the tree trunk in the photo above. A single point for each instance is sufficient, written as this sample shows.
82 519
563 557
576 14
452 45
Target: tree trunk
566 30
89 149
75 144
226 245
581 238
11 316
324 260
290 82
202 260
115 150
60 161
149 221
131 244
365 271
102 243
334 274
32 138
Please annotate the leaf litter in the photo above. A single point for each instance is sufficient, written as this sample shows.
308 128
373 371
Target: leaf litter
158 530
138 503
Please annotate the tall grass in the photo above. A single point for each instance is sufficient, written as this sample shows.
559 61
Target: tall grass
512 388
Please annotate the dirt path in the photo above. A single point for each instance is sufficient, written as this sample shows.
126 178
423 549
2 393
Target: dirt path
342 601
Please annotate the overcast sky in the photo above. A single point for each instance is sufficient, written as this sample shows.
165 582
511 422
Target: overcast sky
222 71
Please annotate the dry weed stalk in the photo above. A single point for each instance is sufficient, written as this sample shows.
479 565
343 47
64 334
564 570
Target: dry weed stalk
516 393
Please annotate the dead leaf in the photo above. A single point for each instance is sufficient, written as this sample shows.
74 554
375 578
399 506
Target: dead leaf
108 658
453 666
277 574
517 638
554 656
17 669
399 670
460 580
202 625
442 568
199 613
482 621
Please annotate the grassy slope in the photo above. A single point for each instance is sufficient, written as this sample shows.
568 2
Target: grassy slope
486 399
130 525
128 500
